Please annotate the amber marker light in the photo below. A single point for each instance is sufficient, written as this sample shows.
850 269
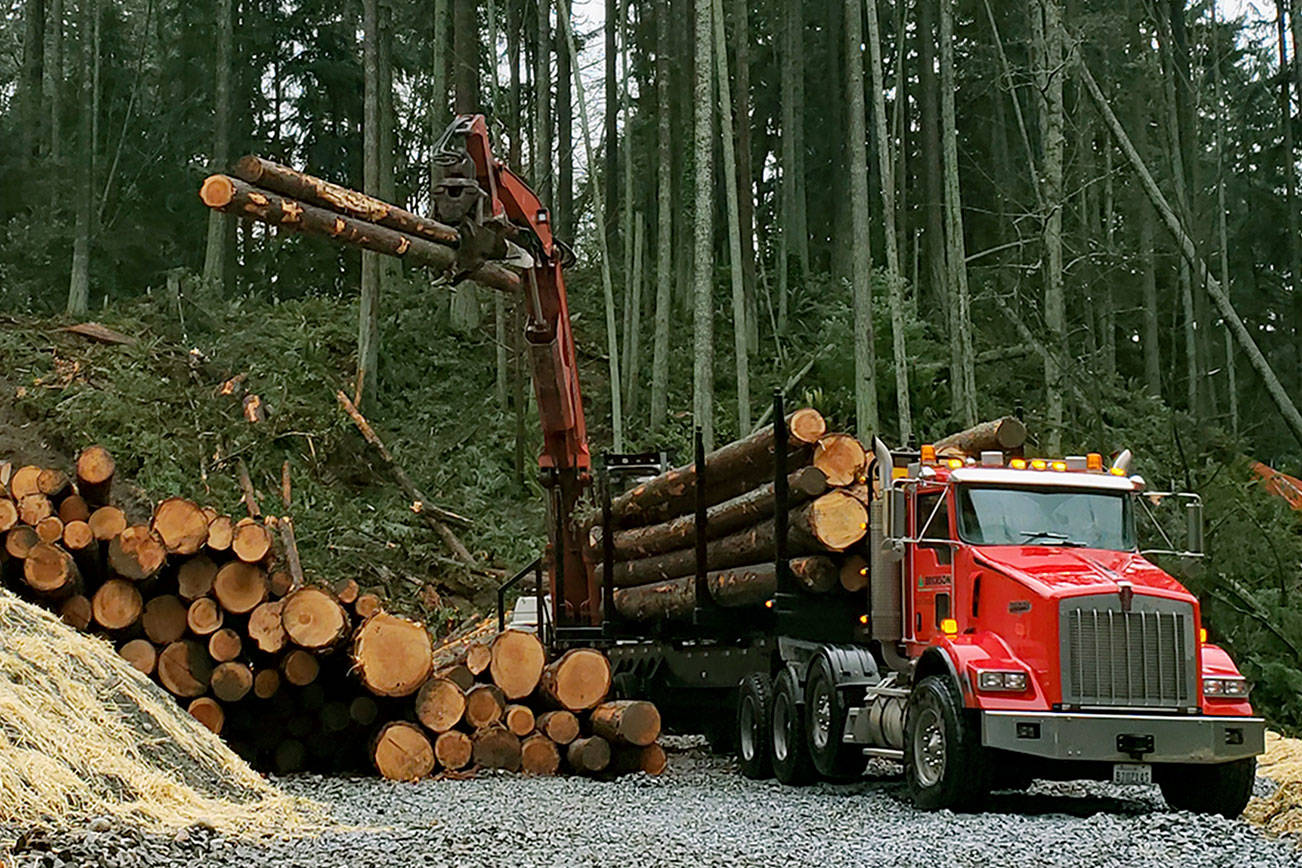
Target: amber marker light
1094 461
1059 466
1018 464
768 604
949 627
928 454
1117 471
1039 464
1202 635
863 619
955 463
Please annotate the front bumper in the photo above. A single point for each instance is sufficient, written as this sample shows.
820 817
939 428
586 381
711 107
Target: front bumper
1102 737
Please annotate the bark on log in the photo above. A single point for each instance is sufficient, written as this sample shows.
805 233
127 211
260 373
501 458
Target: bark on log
76 612
519 719
231 681
577 681
333 197
299 668
1003 435
627 721
240 587
588 755
832 522
53 483
95 469
50 571
539 755
440 704
184 668
221 530
204 617
561 727
225 645
195 577
660 601
392 656
721 519
208 711
401 752
233 196
841 457
630 760
496 747
485 705
136 553
314 619
517 662
164 619
116 605
730 471
141 654
107 522
266 627
754 585
71 508
453 749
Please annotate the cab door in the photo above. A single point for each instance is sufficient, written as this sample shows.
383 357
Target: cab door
930 563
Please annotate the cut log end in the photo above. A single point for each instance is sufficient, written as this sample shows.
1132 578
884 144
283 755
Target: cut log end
517 662
204 617
578 680
266 627
496 747
627 721
440 704
588 755
251 542
853 573
485 705
195 577
95 469
837 520
184 668
225 645
181 525
76 612
240 587
50 570
221 530
208 711
231 681
841 457
393 656
561 727
314 619
453 749
107 522
136 553
266 683
402 752
116 605
141 654
539 755
806 425
164 619
217 191
519 719
300 668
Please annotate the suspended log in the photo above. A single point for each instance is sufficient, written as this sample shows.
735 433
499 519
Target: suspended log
453 749
266 627
841 457
71 508
250 541
853 574
577 681
630 760
539 755
141 654
496 747
225 645
231 681
314 619
485 705
721 519
392 656
517 662
185 668
76 612
440 704
195 577
208 711
1001 435
107 522
519 719
116 605
233 196
221 530
181 525
730 471
266 683
204 617
401 752
164 619
627 721
50 571
77 536
588 755
239 587
561 727
306 188
95 469
20 540
832 522
32 508
299 668
136 553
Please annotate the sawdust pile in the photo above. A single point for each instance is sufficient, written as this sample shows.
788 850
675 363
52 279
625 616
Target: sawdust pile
1282 762
83 734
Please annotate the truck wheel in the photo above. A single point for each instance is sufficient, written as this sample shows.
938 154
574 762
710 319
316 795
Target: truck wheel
944 762
1222 788
791 763
754 703
825 724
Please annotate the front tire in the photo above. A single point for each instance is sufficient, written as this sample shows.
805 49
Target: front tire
944 762
824 725
754 707
791 763
1223 788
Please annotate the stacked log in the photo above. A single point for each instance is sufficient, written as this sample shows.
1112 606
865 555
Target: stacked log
653 526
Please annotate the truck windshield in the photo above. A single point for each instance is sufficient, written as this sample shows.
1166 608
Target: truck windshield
989 515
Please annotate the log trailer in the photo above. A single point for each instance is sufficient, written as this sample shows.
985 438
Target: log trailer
1010 629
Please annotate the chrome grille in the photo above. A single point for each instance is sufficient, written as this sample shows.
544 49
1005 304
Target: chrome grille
1140 658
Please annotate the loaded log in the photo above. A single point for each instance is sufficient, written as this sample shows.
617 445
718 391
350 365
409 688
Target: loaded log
1004 435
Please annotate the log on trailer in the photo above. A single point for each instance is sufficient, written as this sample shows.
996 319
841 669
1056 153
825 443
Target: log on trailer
734 587
1002 435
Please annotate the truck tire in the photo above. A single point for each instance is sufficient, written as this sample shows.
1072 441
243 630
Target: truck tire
754 705
1222 788
824 724
787 743
944 762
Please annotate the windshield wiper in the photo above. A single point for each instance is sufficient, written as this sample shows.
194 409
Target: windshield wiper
1060 539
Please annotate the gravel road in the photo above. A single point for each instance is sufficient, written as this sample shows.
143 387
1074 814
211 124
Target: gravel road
700 812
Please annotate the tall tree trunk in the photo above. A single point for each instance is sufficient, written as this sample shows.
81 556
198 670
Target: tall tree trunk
792 228
33 70
887 169
219 225
745 172
865 376
542 82
1223 245
79 284
368 327
626 141
1151 334
501 355
632 367
935 252
55 80
739 328
703 235
611 166
511 340
962 358
1047 30
664 224
465 312
564 146
438 103
1288 161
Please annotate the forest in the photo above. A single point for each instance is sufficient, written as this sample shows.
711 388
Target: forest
911 215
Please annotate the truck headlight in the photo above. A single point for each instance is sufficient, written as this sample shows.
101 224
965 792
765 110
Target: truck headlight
1002 682
1226 688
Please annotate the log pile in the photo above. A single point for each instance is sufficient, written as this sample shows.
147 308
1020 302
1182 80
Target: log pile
654 525
296 676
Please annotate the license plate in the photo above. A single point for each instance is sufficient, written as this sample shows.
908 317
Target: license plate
1132 773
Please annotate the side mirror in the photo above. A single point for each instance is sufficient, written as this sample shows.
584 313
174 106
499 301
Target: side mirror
1194 526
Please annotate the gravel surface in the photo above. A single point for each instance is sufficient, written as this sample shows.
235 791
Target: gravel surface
700 812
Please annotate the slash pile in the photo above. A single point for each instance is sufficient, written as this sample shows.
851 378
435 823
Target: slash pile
295 676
